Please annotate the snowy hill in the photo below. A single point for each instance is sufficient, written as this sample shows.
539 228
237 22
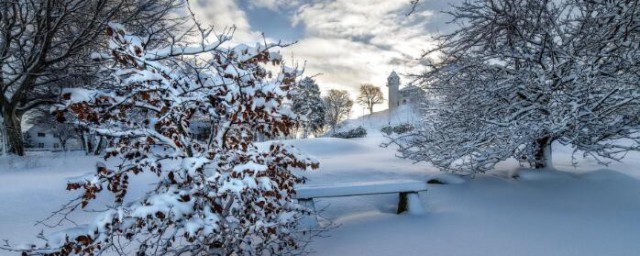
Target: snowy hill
374 122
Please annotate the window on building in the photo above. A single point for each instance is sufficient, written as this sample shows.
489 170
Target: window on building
41 134
56 145
40 145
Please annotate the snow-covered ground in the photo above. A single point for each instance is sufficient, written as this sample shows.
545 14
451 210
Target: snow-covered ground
588 210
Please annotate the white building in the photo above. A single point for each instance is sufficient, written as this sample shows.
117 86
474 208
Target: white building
40 137
409 94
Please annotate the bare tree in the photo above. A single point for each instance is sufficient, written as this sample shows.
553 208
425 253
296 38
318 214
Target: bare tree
522 74
414 4
370 95
47 41
338 105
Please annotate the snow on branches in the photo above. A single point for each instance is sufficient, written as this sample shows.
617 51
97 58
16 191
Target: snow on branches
217 194
520 75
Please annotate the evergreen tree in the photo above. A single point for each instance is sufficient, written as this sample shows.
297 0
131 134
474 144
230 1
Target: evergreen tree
307 103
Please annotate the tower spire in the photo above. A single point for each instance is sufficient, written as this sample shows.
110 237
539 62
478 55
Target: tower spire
393 83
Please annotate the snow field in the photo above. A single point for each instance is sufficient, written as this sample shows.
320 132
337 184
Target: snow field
588 210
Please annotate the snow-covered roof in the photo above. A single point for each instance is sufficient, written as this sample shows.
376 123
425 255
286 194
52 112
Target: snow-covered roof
410 87
38 128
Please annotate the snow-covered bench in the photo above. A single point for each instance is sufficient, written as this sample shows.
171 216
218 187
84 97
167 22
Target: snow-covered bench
409 199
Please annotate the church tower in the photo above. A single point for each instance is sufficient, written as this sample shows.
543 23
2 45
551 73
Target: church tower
393 82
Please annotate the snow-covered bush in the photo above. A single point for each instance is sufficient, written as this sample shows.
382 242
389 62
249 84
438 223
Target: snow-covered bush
398 129
403 128
388 130
358 132
217 196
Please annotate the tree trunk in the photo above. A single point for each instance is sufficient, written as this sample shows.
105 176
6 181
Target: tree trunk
63 144
13 129
370 109
89 145
99 146
542 154
3 138
82 138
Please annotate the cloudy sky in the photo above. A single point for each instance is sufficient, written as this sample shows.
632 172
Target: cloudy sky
345 42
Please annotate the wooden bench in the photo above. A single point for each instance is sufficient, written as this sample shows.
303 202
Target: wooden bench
409 199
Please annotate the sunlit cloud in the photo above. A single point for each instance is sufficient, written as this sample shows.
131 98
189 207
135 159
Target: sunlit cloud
345 42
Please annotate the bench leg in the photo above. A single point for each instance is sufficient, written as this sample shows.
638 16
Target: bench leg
309 221
402 203
410 202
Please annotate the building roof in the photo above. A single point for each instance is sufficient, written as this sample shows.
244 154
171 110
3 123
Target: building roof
410 88
38 128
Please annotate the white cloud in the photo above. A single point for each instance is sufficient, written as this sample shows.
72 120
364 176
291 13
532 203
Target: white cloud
349 41
357 41
274 4
222 14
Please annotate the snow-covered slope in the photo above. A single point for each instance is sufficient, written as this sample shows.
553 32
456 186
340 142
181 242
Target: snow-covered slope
576 211
377 120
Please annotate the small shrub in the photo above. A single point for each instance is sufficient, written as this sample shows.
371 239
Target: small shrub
403 128
398 129
359 132
388 130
